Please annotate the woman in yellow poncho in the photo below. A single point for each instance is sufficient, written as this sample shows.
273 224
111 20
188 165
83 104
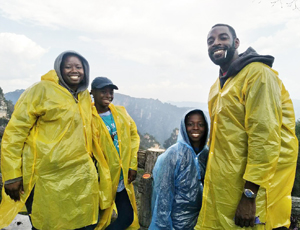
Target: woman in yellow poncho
46 151
115 134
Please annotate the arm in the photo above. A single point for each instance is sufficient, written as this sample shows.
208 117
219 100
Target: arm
203 161
16 133
135 143
163 191
245 212
262 123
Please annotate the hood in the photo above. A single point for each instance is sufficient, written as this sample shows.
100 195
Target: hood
244 59
85 82
183 136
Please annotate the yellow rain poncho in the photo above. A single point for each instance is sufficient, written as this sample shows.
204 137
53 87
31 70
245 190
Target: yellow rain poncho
128 147
48 143
252 138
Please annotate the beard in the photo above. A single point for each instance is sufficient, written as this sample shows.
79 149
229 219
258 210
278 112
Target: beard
229 53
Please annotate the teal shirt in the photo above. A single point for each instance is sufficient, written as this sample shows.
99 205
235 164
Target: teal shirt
110 124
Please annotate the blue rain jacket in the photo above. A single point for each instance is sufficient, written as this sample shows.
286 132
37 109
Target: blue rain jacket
177 176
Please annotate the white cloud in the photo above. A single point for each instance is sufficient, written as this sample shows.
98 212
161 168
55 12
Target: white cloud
167 33
154 41
19 56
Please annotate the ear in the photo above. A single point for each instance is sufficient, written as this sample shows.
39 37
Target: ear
236 43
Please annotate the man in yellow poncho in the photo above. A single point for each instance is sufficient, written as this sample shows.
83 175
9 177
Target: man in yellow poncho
115 134
46 151
253 147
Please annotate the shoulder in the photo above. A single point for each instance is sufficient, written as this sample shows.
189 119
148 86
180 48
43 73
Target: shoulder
205 149
170 154
174 147
257 73
256 69
167 161
85 95
35 90
119 108
121 111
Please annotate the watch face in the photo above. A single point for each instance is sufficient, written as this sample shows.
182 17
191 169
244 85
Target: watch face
249 194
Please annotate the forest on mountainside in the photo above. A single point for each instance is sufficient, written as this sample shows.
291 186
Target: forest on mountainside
296 188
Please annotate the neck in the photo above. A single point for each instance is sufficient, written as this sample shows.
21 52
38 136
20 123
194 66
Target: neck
224 68
101 109
196 145
74 88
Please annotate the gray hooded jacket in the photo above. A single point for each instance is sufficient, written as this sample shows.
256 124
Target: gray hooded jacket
82 86
85 82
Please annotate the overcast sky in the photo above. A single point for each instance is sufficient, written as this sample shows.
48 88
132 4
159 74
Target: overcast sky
150 49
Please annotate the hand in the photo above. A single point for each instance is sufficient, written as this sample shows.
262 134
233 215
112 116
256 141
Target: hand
131 176
245 212
14 190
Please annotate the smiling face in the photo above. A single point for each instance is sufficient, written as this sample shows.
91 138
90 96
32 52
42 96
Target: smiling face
195 128
72 71
103 97
222 47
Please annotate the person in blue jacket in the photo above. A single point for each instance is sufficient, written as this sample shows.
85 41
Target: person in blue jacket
178 176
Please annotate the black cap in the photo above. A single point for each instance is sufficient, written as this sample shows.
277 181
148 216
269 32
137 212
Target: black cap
101 82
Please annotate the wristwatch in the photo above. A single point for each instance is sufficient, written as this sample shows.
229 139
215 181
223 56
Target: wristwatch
249 194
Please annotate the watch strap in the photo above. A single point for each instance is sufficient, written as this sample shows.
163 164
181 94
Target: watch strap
249 193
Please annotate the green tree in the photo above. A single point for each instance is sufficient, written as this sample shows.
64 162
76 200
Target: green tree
298 129
172 139
1 134
296 188
10 107
148 141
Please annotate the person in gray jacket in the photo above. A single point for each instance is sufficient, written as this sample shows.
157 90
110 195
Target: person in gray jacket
46 155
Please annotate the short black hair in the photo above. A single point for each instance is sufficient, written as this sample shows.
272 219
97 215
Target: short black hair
232 31
195 111
200 112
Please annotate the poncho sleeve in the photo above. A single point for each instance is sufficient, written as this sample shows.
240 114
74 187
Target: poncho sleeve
263 119
135 143
24 117
163 190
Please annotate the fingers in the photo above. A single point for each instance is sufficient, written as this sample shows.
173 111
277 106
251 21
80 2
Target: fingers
131 179
14 190
131 176
237 221
244 222
13 194
16 195
22 189
252 222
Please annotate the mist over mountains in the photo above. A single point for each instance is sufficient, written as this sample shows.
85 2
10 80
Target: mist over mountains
153 116
14 96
